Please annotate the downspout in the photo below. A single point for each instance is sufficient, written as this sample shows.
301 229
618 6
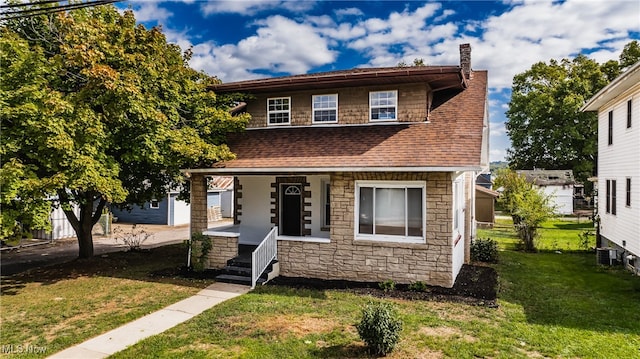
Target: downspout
188 177
169 208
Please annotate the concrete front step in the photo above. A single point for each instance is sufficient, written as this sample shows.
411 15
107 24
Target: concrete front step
237 279
235 270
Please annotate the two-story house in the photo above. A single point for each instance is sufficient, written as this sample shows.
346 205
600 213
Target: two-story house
618 107
365 174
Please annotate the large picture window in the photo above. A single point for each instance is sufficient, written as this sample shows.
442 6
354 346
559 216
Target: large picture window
383 105
390 211
325 108
279 110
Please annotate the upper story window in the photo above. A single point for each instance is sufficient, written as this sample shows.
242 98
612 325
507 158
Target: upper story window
628 191
383 105
610 133
279 110
325 108
629 106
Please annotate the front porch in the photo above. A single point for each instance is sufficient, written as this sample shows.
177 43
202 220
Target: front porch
318 239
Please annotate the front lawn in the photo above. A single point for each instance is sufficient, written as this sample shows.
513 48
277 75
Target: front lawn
554 303
551 304
50 309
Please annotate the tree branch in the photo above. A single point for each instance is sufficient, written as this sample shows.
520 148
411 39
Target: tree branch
98 213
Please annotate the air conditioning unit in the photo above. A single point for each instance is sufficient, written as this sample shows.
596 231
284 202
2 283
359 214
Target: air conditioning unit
606 256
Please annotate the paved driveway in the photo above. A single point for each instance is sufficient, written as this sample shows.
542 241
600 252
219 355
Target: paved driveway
18 260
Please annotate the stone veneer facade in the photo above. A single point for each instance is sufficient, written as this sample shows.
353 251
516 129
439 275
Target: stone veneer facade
223 248
353 104
349 259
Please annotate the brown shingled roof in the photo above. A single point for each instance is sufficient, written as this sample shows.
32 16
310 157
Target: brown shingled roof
451 139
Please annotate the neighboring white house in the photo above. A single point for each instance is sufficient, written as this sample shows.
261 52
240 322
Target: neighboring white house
559 184
618 107
60 225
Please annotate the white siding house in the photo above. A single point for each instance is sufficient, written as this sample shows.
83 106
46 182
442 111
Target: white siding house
618 107
557 184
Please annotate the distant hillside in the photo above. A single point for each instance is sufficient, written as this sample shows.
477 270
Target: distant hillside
494 166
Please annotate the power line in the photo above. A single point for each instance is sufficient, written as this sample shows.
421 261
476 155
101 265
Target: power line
30 3
22 13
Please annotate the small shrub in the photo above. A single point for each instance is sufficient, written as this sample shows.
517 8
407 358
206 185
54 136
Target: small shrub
484 250
387 285
585 239
418 286
380 327
132 239
200 246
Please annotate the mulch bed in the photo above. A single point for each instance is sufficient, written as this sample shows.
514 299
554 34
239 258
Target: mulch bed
475 285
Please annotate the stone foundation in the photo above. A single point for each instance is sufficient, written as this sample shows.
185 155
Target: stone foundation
223 249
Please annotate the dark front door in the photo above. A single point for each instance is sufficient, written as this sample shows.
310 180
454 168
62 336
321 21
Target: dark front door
291 209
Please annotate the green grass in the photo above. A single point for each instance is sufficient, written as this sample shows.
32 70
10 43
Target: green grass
554 235
551 304
59 306
556 304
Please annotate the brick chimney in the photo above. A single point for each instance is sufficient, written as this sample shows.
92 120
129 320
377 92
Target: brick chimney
465 60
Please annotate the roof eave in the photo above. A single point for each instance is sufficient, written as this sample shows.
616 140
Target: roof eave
453 75
610 91
274 170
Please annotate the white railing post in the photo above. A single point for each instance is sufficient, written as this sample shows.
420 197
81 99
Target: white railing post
263 255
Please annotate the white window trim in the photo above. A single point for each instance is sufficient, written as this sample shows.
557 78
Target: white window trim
288 112
372 107
324 203
389 238
313 109
151 206
457 204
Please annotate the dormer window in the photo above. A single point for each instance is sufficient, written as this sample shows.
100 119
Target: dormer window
279 110
325 108
383 105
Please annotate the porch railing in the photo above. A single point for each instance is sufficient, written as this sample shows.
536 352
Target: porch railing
263 255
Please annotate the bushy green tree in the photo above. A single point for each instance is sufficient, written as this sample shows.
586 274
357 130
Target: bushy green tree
544 121
527 205
98 109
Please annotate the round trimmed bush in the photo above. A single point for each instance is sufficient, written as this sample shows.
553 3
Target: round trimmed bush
380 327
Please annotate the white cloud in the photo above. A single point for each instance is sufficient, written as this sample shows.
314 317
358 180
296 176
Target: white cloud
497 129
539 31
272 48
497 154
149 11
252 7
352 11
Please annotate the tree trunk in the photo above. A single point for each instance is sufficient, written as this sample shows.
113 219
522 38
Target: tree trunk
83 226
85 237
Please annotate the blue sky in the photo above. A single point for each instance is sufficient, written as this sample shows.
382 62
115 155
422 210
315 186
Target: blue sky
240 40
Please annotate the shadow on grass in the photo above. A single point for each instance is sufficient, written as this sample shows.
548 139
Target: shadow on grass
161 265
584 225
570 290
342 351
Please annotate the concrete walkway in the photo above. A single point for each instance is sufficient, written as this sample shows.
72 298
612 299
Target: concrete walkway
120 338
